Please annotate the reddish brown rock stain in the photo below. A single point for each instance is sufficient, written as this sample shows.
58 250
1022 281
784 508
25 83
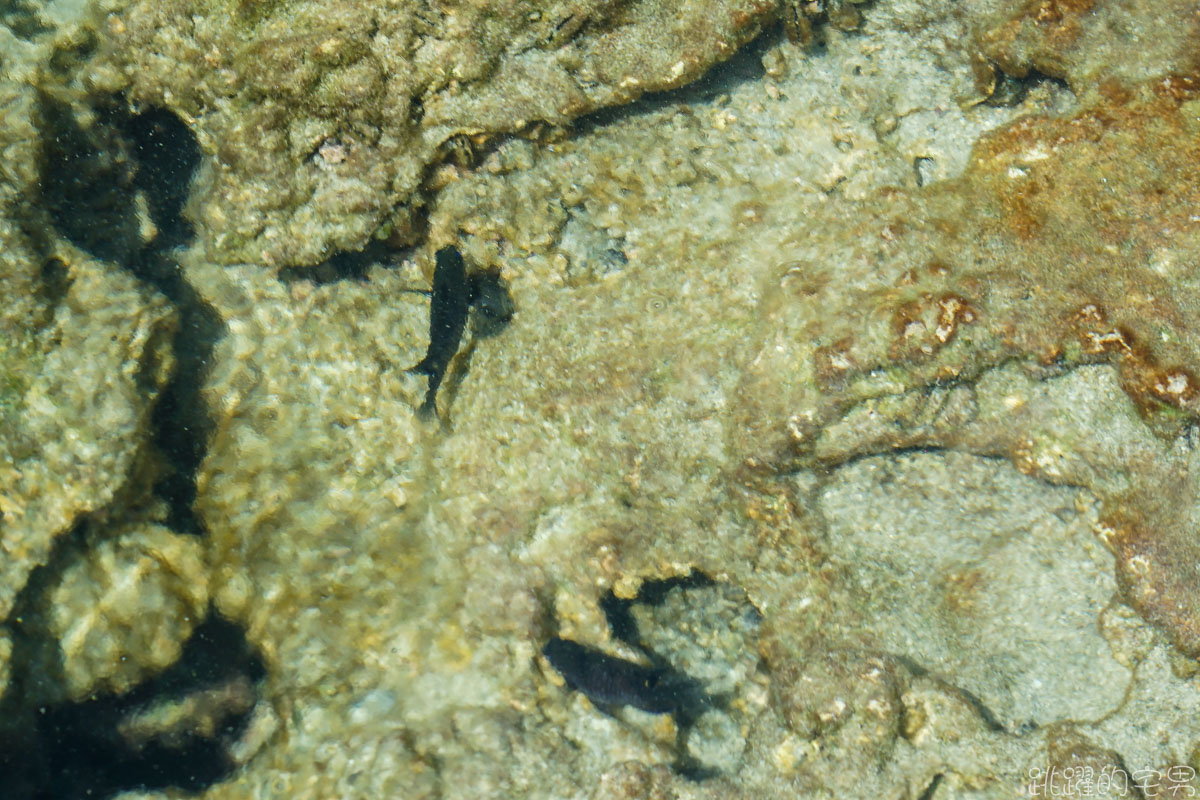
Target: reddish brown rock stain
1069 240
1042 36
1157 570
1106 192
962 590
833 362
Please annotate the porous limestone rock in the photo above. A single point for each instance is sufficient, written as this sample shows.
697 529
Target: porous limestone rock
956 582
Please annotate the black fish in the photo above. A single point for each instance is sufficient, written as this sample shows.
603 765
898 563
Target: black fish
610 681
449 305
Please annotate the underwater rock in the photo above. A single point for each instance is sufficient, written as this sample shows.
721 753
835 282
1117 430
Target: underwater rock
996 591
737 301
1096 47
958 274
322 121
98 364
122 611
84 350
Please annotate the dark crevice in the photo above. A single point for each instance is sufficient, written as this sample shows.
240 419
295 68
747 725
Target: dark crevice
166 154
180 422
116 187
101 746
35 663
1011 90
114 182
827 468
929 791
87 182
54 749
744 66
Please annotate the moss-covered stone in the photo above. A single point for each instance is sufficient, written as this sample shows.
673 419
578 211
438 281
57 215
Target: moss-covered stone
322 119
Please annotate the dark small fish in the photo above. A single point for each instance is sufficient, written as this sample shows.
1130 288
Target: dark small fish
610 681
449 304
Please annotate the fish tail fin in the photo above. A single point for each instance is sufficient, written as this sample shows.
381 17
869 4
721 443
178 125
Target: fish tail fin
428 409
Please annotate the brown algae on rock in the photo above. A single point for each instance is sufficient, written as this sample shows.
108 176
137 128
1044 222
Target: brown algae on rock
1039 189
